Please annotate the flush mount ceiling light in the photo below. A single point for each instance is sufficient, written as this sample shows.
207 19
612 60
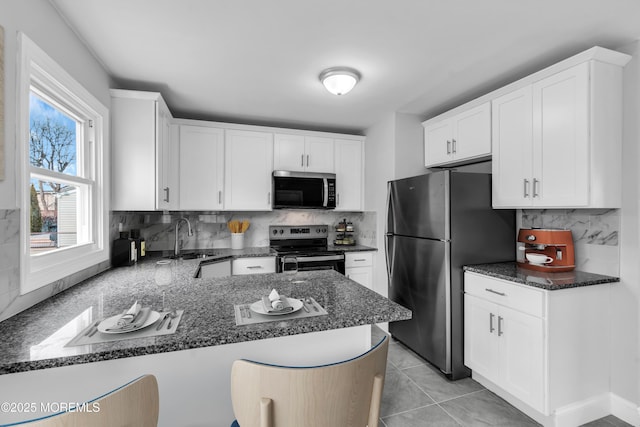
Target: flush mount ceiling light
339 80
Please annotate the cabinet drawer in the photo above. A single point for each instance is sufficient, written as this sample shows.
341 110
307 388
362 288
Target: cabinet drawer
358 259
253 265
512 295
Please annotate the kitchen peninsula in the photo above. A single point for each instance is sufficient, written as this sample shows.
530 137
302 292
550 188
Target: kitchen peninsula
192 365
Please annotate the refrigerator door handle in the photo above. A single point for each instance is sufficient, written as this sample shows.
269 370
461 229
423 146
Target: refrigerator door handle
389 258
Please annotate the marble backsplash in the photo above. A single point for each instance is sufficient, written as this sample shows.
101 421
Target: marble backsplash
210 229
11 302
595 235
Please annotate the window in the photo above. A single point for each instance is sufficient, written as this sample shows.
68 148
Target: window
62 129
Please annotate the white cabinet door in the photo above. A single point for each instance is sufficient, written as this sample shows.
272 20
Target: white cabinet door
505 345
303 153
201 171
349 162
288 152
216 269
512 140
362 275
522 352
480 337
248 169
437 143
319 154
561 138
140 124
166 161
472 133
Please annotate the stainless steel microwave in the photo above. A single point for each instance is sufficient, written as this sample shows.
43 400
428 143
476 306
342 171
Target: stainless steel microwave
304 190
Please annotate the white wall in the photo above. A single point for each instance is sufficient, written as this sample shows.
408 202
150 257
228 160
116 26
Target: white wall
42 24
625 341
379 168
409 146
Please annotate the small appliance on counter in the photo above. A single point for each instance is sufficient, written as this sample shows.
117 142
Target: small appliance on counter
546 249
123 250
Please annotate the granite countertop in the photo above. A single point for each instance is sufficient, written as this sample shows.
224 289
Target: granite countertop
35 338
550 281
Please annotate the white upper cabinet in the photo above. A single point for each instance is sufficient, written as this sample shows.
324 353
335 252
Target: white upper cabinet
459 136
303 153
248 170
349 164
201 170
142 177
557 139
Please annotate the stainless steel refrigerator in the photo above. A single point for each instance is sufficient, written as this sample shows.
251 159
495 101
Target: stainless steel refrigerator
437 223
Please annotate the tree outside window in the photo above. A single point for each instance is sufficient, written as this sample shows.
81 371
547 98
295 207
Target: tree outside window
52 146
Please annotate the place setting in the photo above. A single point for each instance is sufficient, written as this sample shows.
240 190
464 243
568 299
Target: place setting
135 322
275 307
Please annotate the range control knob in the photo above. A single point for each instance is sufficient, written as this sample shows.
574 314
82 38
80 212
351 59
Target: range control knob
282 231
275 231
317 231
324 230
531 237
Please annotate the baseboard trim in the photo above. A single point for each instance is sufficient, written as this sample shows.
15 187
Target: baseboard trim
625 410
584 411
574 414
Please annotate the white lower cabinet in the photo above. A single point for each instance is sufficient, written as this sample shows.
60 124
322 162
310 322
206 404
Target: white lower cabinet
253 265
215 269
545 352
359 267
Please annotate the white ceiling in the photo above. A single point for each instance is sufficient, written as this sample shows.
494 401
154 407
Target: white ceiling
258 61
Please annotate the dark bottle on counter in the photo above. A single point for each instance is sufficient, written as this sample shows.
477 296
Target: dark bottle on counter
141 249
123 250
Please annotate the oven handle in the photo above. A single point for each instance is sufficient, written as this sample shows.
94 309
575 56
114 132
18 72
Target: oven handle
320 258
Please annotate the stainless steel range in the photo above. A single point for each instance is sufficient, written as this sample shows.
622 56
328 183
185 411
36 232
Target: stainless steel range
304 247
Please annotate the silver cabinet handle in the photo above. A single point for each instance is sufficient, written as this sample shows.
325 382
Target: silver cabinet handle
307 160
338 199
359 260
526 188
535 187
219 196
500 319
448 147
253 267
166 194
453 145
302 160
269 198
491 328
495 292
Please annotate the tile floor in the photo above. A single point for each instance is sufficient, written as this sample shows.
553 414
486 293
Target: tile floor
417 394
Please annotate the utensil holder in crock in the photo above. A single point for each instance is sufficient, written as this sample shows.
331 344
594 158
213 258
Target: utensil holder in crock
237 240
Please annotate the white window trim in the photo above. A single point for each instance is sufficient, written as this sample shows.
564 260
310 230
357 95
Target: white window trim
36 272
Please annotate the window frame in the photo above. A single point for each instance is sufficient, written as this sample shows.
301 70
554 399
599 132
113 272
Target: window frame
36 68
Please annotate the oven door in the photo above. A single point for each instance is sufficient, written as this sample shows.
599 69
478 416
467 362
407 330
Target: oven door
303 190
313 262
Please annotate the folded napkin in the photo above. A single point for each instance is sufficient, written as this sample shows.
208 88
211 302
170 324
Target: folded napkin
135 323
276 302
129 315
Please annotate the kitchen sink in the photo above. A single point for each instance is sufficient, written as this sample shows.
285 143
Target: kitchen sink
190 255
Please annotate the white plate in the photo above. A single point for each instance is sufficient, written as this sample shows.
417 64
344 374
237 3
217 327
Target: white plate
257 307
112 322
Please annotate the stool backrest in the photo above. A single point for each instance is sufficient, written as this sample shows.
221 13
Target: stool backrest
345 394
135 404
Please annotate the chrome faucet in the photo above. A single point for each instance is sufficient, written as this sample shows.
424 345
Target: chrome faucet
176 249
